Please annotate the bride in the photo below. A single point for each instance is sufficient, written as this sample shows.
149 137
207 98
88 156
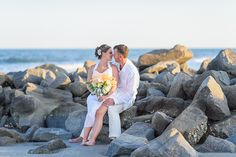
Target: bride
95 109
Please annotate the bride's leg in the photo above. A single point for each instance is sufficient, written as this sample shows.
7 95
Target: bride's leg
86 134
97 125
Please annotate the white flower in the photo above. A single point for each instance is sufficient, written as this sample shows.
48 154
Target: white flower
99 52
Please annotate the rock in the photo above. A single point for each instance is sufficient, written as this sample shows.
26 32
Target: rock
233 81
179 54
12 134
5 80
211 94
185 69
125 145
127 116
58 116
230 92
103 136
154 92
147 77
52 67
88 64
75 122
144 86
8 94
29 75
165 78
232 139
171 66
51 147
136 136
160 121
176 88
78 88
214 144
80 73
225 61
191 86
170 143
30 132
61 81
192 123
47 134
49 79
5 140
144 118
170 106
204 66
224 128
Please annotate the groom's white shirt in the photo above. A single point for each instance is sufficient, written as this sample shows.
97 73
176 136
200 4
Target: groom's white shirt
127 85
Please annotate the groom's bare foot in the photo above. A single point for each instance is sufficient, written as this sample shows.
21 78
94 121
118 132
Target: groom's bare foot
76 140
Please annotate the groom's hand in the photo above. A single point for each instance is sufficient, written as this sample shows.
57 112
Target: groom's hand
108 102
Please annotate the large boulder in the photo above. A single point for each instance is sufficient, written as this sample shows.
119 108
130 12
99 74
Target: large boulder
214 144
5 140
51 147
170 143
12 134
136 136
80 72
165 78
176 88
78 88
5 80
191 86
75 122
224 128
179 54
148 77
211 94
52 67
225 61
204 65
170 66
160 121
47 134
192 123
170 106
58 116
61 81
30 75
230 92
144 86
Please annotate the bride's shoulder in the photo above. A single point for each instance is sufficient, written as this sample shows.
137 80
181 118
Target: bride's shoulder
113 66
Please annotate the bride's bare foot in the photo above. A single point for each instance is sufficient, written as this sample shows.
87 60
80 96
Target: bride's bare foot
75 140
90 143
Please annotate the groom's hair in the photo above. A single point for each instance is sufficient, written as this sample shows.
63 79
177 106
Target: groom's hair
122 49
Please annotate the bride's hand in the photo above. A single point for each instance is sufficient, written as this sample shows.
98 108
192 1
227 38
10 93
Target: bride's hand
101 98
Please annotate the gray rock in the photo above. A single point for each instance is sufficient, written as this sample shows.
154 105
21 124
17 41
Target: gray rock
154 92
51 147
191 86
233 81
80 73
204 66
47 134
144 118
170 143
78 88
225 61
230 92
164 78
12 134
30 132
179 54
144 86
160 121
192 123
52 67
148 77
5 140
58 116
125 145
170 106
75 122
171 66
232 139
224 128
214 144
127 116
176 88
61 81
211 94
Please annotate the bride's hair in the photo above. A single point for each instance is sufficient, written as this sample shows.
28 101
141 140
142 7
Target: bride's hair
101 49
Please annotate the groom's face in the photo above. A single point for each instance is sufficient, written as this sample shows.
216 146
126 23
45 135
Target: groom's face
117 55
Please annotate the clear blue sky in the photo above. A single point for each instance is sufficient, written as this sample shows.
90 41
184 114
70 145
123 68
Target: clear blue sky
137 23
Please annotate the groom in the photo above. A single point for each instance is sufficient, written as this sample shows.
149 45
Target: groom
126 90
125 94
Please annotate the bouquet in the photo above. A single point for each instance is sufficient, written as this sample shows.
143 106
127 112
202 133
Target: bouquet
101 85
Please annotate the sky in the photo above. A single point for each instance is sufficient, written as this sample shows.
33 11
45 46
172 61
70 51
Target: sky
136 23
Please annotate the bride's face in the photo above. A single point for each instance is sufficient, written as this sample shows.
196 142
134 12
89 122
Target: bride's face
108 55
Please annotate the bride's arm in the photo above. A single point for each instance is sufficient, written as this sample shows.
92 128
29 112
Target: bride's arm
89 76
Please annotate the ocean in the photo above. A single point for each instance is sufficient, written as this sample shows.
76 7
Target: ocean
13 60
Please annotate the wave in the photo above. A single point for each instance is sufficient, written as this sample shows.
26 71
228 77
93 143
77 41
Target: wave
29 60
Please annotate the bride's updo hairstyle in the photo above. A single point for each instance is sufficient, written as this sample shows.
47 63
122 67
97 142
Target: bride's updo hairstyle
101 49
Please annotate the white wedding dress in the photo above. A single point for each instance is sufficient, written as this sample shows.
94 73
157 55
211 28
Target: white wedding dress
92 101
